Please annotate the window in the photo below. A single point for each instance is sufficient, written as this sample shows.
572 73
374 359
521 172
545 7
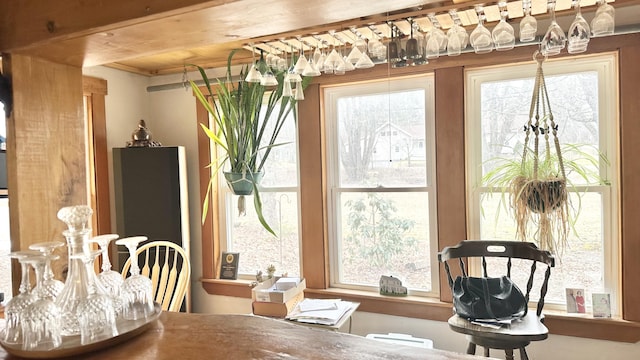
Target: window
583 96
279 194
381 188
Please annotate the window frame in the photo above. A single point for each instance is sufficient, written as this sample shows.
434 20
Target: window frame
452 220
604 65
331 94
221 194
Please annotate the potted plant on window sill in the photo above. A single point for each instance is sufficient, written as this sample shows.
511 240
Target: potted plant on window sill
537 182
246 124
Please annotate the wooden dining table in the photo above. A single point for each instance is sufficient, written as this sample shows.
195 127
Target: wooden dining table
238 337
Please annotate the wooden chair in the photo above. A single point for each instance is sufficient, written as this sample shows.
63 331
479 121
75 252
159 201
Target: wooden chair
169 269
521 332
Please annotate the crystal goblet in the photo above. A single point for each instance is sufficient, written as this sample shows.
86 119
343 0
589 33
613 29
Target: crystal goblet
579 32
51 286
96 315
15 307
111 280
528 24
603 23
42 319
136 289
554 39
503 35
480 39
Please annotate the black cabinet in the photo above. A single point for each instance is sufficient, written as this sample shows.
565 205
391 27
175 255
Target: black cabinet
150 186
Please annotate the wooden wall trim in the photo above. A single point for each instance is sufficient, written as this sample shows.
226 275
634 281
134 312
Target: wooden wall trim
450 163
94 86
238 288
210 240
314 251
629 180
102 205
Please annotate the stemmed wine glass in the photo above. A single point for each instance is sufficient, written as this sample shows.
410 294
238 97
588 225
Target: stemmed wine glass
136 289
457 37
111 280
96 315
554 39
503 34
15 307
528 24
579 32
436 41
604 22
51 286
42 319
480 37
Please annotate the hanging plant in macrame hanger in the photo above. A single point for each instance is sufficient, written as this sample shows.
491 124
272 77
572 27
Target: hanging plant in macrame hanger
539 194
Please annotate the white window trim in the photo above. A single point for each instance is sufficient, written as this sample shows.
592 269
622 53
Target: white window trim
606 66
331 94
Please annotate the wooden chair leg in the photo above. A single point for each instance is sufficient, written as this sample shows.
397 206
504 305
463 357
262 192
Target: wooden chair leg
523 354
471 348
509 354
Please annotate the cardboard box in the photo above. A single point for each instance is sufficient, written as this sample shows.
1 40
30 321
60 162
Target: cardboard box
274 309
266 292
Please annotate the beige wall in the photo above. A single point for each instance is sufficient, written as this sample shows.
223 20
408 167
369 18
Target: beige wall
170 116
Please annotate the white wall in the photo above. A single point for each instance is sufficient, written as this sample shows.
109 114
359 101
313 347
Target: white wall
170 115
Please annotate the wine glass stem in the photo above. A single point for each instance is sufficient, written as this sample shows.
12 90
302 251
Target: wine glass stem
48 272
24 281
39 268
135 270
106 262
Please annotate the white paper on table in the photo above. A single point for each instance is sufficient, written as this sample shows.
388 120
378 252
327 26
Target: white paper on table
317 304
323 316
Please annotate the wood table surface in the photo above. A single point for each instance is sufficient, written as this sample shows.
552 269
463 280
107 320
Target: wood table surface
212 336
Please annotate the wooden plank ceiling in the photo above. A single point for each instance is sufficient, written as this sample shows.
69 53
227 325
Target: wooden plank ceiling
159 38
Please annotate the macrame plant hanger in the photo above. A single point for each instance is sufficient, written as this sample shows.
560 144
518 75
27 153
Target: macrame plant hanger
539 194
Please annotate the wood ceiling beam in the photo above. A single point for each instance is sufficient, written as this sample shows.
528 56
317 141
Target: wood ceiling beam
88 33
28 23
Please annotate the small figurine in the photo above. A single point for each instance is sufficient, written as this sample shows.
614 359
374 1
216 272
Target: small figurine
141 137
392 286
271 270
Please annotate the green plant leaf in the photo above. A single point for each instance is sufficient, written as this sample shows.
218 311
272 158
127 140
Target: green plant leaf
246 123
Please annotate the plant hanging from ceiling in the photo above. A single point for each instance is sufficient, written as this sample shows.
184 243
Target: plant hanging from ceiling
539 194
537 182
248 116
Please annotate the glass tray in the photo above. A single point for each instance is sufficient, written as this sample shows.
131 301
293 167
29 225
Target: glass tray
71 345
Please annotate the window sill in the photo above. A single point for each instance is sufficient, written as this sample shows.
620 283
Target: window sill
559 323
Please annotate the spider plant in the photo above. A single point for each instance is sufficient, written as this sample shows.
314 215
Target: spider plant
542 198
247 119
